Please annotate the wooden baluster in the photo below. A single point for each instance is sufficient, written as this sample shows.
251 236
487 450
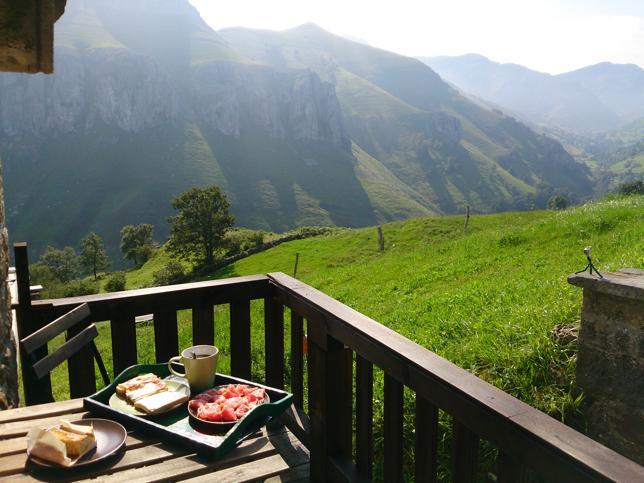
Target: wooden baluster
393 430
80 367
203 324
364 417
297 358
339 395
240 360
166 335
425 455
123 331
510 470
317 363
465 447
37 391
274 342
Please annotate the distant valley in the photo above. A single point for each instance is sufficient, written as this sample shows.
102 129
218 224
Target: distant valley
300 127
597 112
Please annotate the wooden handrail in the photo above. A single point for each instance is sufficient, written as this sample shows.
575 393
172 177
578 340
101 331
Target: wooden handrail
520 430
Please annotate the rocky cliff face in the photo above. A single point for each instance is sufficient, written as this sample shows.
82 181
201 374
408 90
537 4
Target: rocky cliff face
131 92
286 104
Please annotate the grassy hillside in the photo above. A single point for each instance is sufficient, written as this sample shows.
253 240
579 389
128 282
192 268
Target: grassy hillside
486 300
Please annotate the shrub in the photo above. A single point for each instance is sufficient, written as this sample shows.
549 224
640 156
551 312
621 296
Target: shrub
635 187
557 202
116 282
171 273
80 287
240 240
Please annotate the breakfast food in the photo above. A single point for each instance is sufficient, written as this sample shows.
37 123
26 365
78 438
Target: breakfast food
135 383
146 390
63 444
150 394
226 404
160 401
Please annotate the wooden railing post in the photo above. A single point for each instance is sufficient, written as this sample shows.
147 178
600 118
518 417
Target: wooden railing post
274 342
240 348
37 391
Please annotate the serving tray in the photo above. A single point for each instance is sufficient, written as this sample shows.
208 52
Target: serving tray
175 426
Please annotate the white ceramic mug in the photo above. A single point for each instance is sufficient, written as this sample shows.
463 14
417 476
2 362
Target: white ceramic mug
200 363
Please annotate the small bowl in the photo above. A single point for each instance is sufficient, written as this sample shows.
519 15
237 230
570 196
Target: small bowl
220 426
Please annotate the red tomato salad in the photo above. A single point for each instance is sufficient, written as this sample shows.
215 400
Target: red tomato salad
226 404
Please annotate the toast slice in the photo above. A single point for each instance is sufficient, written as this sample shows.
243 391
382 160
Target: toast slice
76 444
146 390
135 383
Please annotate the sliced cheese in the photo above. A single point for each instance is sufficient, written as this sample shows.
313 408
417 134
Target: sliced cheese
160 401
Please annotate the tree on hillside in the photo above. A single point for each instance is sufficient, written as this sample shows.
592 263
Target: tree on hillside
198 231
635 187
93 256
62 263
557 202
136 243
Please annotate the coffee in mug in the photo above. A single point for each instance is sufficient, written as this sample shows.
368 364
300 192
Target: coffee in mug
200 364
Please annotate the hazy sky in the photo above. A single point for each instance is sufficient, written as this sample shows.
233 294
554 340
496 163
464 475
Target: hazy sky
547 35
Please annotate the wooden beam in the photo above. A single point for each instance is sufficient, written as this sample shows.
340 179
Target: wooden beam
240 339
58 326
69 348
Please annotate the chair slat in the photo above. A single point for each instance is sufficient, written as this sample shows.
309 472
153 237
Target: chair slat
465 448
425 454
80 366
123 332
54 328
393 430
166 335
240 348
364 416
297 358
45 365
203 324
274 342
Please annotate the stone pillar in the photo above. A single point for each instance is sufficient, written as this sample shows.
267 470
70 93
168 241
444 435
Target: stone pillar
8 364
610 360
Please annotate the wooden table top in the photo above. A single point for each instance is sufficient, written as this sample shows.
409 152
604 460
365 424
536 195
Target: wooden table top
272 455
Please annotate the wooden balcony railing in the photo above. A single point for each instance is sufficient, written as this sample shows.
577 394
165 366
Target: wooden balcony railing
337 425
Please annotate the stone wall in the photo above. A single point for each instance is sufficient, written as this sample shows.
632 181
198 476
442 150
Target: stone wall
8 369
610 362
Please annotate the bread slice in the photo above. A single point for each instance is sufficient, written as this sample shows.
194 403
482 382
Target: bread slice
76 444
135 383
160 401
60 446
146 390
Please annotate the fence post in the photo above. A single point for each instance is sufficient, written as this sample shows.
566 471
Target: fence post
381 239
297 259
467 218
37 391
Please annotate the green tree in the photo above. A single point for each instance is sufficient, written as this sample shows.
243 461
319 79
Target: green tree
198 231
62 263
136 243
635 187
557 202
93 256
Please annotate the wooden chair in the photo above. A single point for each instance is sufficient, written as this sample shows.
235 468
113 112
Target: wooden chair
42 336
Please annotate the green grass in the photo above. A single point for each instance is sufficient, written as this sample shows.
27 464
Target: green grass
485 301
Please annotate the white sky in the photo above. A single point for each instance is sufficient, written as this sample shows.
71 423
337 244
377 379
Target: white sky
550 36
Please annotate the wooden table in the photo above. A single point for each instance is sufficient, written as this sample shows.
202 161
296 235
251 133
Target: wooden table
273 455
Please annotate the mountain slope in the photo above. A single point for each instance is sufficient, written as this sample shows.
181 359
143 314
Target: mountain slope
596 98
141 107
447 148
299 127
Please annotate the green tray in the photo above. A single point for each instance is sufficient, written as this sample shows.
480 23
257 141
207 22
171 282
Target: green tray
174 426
